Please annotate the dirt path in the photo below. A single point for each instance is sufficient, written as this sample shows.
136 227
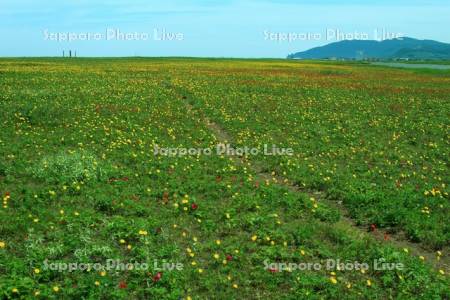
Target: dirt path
346 222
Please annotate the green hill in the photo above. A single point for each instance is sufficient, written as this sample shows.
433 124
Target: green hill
401 48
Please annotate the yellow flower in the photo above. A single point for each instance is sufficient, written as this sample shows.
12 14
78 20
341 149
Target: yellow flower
442 272
56 289
216 256
14 290
200 271
122 241
37 271
302 252
421 257
143 232
235 286
369 283
2 245
254 238
129 247
218 242
97 283
103 273
333 280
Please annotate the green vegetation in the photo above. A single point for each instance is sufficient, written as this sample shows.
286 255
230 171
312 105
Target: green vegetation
80 181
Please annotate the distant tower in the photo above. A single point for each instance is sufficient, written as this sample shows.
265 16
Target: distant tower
63 54
70 53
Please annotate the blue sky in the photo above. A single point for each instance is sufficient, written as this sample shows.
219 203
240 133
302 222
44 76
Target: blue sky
228 28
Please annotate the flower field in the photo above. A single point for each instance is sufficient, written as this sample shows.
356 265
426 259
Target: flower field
82 186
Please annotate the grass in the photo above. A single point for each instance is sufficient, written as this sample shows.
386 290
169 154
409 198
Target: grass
80 182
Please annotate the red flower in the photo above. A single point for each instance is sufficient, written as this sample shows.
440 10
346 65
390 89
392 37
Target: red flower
373 227
229 257
123 285
273 270
165 196
386 237
157 277
194 206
